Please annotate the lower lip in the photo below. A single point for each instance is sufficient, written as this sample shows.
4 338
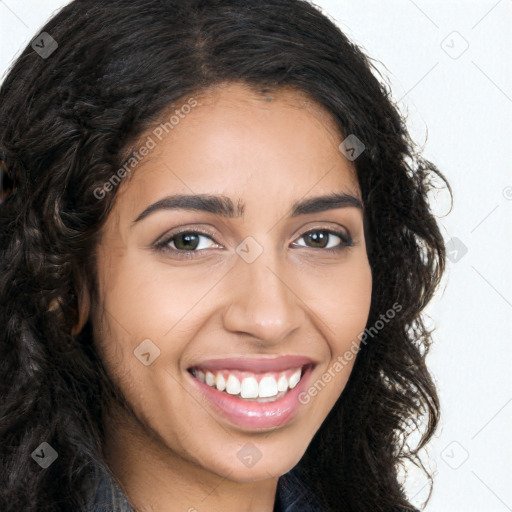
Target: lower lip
251 414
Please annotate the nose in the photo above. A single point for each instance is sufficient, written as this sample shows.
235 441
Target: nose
262 302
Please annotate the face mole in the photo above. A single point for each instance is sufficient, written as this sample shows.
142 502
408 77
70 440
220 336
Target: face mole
266 91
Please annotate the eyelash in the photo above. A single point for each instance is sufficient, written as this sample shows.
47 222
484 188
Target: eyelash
163 246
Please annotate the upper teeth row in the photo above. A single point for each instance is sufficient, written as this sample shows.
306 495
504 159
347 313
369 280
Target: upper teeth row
249 387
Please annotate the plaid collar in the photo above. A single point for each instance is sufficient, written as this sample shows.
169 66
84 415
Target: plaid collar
293 495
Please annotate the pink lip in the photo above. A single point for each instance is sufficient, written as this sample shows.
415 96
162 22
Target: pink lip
255 364
251 414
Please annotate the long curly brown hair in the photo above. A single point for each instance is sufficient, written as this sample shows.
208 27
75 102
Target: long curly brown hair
69 119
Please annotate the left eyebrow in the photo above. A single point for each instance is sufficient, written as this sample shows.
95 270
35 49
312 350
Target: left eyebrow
223 205
324 203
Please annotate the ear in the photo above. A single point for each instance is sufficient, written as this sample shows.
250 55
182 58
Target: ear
84 308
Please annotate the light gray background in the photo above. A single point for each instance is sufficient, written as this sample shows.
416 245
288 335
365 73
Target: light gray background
449 64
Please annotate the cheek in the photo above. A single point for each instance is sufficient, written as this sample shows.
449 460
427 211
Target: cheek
144 299
340 300
344 309
350 312
147 308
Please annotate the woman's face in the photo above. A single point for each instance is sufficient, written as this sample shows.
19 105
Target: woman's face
250 280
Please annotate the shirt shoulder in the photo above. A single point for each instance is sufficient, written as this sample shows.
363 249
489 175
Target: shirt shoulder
293 494
110 497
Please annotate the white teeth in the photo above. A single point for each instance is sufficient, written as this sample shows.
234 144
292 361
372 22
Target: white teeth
249 388
294 379
268 387
282 383
210 378
221 382
233 385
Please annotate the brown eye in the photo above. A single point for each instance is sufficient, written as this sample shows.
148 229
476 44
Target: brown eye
187 241
318 238
326 239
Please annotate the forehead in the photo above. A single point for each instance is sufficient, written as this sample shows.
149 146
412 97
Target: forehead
242 143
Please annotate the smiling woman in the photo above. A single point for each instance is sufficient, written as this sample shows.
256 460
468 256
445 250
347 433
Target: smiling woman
217 250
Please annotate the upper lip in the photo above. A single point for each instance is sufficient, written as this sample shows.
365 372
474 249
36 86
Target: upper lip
255 364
